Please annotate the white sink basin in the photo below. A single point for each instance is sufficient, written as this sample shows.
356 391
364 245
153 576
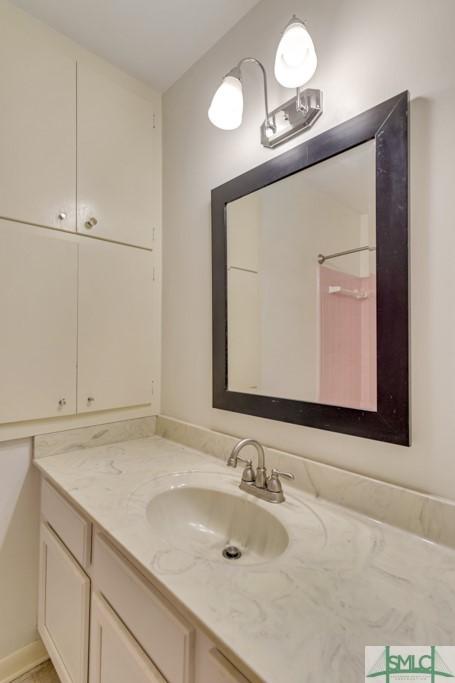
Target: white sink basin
205 522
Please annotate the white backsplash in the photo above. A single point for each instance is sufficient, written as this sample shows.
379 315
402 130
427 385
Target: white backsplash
89 437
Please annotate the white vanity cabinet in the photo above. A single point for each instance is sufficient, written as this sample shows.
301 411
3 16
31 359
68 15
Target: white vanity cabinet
118 148
166 637
38 313
63 609
115 326
64 585
115 657
37 123
221 670
211 666
136 635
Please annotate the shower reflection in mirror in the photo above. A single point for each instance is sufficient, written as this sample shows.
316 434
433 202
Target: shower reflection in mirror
301 260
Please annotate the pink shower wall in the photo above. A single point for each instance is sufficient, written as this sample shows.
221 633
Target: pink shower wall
347 344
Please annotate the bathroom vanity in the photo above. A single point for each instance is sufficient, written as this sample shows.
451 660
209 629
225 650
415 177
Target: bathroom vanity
96 606
134 585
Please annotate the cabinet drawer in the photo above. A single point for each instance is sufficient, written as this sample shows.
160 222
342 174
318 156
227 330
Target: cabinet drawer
223 670
161 631
68 524
115 657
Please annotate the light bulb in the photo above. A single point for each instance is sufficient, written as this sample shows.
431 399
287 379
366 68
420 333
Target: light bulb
296 60
226 109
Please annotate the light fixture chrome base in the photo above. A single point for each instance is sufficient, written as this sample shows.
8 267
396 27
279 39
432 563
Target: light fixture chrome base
292 118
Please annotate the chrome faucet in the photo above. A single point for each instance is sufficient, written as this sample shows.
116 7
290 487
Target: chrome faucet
260 476
257 482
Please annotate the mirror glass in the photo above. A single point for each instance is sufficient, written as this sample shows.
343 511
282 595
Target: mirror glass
301 311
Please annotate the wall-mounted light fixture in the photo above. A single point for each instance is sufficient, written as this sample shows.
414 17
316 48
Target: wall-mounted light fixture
295 64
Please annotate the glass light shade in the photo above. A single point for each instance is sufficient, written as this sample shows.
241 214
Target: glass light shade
296 59
226 109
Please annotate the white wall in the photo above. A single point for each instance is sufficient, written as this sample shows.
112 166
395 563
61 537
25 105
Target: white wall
19 526
299 221
368 51
273 309
276 233
244 339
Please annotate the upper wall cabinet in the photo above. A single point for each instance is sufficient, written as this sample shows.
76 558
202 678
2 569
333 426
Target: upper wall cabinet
118 187
38 313
38 125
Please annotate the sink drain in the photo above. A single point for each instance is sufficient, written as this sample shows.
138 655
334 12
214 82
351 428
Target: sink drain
232 553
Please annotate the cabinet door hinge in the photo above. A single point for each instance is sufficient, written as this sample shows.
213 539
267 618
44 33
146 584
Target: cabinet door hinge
154 120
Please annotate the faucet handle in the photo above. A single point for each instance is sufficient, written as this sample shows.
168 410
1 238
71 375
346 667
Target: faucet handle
287 475
274 483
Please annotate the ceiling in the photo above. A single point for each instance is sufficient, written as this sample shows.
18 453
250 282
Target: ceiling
154 40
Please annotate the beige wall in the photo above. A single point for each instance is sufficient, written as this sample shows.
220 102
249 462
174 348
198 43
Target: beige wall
276 234
299 221
368 51
244 341
19 525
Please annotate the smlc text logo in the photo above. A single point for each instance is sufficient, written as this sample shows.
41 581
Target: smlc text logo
392 663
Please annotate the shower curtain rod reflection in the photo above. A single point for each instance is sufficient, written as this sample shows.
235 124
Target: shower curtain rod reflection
322 258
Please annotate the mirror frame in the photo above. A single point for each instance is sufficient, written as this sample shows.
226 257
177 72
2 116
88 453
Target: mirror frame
387 124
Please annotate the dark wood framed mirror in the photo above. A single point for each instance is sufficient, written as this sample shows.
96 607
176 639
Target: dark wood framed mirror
310 282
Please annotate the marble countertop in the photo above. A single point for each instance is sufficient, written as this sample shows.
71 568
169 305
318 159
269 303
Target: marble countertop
344 582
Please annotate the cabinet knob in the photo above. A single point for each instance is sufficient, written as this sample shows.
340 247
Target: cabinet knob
90 400
91 223
62 216
62 402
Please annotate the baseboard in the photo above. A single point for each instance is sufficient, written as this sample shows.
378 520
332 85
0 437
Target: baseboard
22 661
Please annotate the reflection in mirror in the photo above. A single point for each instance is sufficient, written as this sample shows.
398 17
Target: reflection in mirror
302 285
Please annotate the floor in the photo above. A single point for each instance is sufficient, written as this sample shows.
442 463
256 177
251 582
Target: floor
42 674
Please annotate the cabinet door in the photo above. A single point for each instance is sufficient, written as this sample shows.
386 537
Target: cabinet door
115 326
63 611
166 636
116 147
38 123
38 313
223 670
213 667
115 657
